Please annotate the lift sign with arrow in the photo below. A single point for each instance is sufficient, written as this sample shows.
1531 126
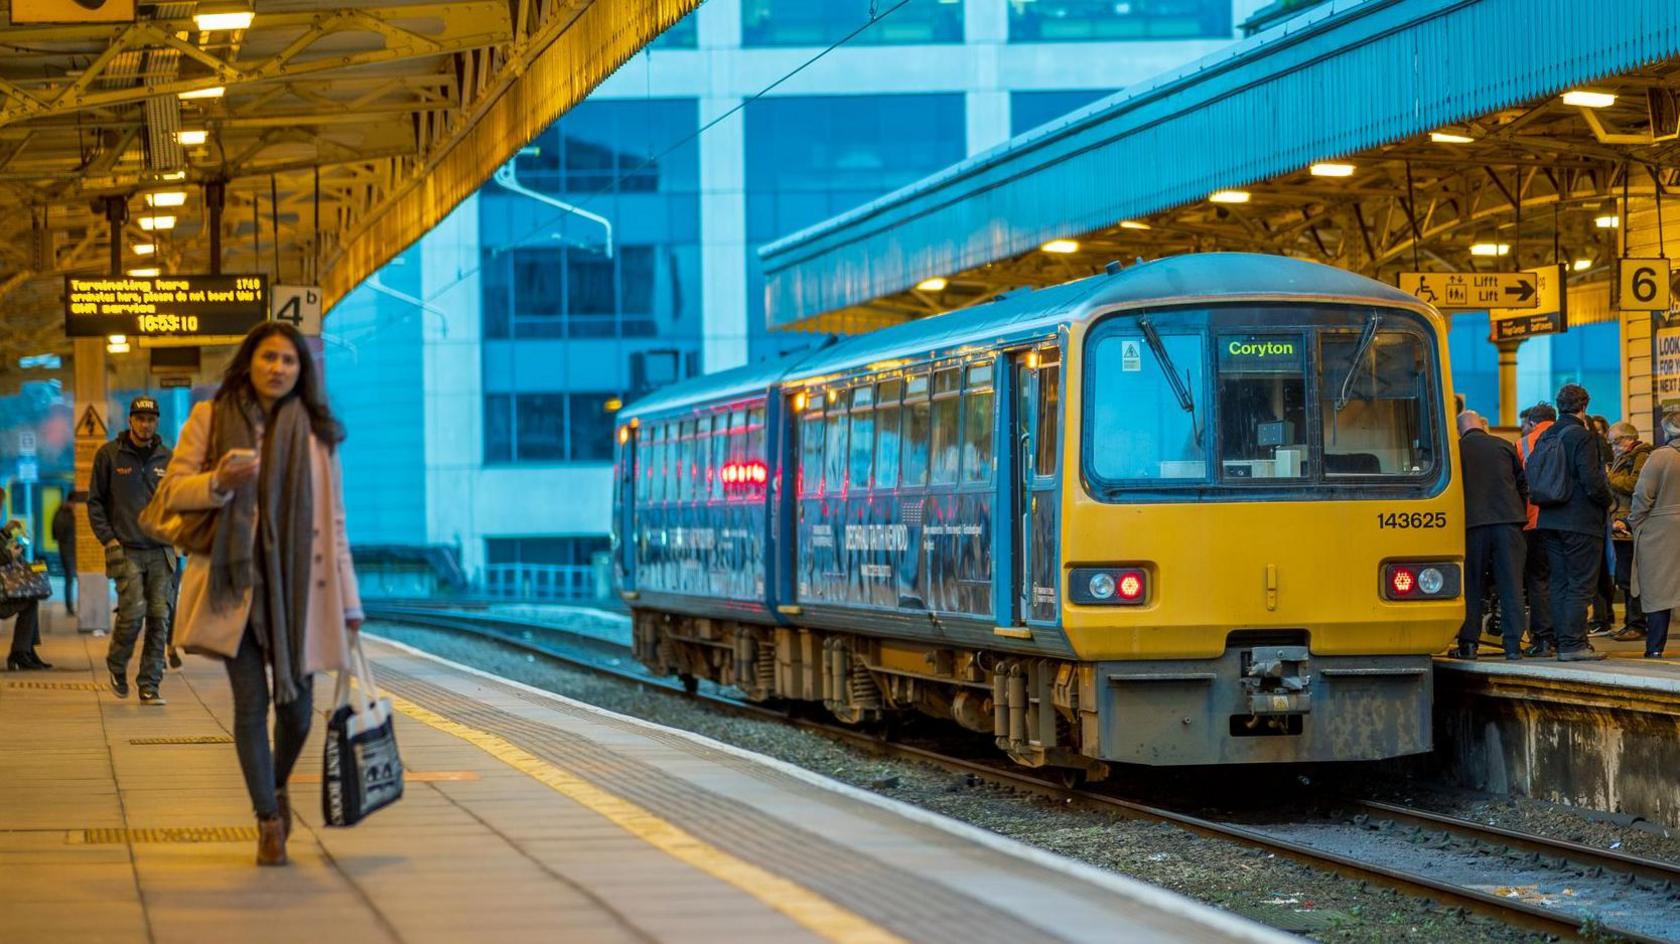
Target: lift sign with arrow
1472 289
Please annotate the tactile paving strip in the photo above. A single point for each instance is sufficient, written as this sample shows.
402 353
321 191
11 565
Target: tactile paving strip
59 686
121 836
184 739
898 899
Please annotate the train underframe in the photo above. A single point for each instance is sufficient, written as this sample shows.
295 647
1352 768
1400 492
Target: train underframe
1266 700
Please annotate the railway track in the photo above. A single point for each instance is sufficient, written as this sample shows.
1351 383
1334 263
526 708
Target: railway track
612 659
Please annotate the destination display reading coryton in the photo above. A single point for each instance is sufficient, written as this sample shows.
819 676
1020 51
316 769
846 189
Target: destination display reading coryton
164 306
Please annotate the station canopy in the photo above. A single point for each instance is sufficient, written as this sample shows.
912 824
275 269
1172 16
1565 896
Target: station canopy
1443 135
339 130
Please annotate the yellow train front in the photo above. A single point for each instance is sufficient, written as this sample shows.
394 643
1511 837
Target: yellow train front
1201 511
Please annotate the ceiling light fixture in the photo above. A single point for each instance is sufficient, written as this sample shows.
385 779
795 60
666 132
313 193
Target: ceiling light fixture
157 221
1490 249
174 175
935 284
1608 221
192 137
144 249
1582 265
1228 196
1326 169
167 198
1582 98
1449 137
1063 246
116 344
148 272
214 91
1133 224
224 15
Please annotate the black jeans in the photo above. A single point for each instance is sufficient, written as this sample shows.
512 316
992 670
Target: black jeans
265 770
1575 561
26 630
1498 548
1537 586
1635 616
1656 631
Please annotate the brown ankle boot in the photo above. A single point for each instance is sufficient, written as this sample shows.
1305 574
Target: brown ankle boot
285 803
271 840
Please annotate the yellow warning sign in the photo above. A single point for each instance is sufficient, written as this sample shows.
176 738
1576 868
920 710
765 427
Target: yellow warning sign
72 11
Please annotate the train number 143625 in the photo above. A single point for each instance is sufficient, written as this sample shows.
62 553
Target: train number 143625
1408 520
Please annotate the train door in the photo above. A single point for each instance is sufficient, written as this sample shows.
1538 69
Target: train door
1038 427
624 509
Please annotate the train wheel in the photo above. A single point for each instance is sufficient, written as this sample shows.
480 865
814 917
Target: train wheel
1071 778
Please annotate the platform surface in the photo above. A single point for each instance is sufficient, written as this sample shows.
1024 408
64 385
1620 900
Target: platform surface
526 817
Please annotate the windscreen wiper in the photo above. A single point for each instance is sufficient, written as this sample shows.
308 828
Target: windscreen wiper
1365 339
1185 402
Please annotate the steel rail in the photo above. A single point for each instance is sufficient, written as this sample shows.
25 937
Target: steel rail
1511 911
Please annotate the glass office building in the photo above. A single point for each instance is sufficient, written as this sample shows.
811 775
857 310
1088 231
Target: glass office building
616 254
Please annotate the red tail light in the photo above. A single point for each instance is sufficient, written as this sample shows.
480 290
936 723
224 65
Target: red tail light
1421 580
1131 585
1402 581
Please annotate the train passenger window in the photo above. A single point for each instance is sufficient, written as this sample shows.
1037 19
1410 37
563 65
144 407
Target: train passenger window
685 462
703 471
977 425
887 433
863 437
656 464
1049 412
1263 406
811 454
756 451
916 430
1374 412
834 477
1145 424
720 454
946 418
738 436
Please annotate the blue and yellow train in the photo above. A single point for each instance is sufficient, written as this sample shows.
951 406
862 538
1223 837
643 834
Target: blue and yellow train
1203 510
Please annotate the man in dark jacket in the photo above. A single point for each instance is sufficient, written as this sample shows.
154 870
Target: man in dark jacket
64 535
1574 530
1495 510
126 472
1629 461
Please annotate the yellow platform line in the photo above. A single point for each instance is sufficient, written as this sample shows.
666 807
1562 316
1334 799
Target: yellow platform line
811 910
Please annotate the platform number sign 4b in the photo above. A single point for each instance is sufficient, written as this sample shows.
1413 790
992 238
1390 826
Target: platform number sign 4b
299 306
1644 285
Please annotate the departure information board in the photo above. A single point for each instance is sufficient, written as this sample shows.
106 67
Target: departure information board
164 306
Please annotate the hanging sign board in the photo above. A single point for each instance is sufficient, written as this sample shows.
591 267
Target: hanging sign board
300 307
1472 289
1549 315
1644 285
164 306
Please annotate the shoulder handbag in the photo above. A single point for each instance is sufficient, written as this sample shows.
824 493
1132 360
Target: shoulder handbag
362 770
21 582
191 532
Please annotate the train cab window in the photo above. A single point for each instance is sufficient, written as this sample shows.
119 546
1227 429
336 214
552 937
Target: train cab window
887 413
1148 405
917 430
834 476
1049 412
977 425
946 420
1263 406
1374 409
811 450
863 437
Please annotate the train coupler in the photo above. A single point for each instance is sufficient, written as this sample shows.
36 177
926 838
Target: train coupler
1278 680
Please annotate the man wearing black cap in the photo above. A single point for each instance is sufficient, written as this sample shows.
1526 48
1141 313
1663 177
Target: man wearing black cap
125 474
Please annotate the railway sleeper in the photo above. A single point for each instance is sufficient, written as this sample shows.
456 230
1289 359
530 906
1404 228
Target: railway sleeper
1032 708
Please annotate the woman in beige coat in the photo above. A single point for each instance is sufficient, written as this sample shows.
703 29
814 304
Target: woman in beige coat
1655 523
276 595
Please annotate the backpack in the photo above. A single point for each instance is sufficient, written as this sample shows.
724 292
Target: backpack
1547 471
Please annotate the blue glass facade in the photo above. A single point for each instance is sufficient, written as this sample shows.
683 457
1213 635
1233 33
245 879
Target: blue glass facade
824 22
1028 110
1086 21
569 326
1586 354
809 158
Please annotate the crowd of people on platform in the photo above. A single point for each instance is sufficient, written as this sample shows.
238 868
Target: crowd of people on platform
1557 525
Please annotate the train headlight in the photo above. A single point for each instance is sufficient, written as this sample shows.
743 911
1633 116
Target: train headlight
1109 586
1421 580
1430 580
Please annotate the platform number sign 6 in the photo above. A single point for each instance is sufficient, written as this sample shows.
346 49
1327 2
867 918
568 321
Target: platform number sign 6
1644 285
298 306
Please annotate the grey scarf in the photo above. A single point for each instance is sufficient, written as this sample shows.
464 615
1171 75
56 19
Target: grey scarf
265 535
